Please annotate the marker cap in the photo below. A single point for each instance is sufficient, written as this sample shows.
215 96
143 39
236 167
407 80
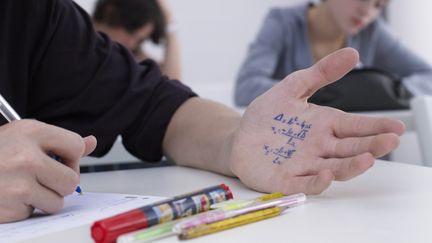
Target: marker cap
109 229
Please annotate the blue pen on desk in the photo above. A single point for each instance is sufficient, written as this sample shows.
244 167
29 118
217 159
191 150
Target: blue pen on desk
10 115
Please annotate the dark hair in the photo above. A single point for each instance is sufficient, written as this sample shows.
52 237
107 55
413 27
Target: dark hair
131 15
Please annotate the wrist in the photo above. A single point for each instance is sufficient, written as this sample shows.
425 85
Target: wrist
226 155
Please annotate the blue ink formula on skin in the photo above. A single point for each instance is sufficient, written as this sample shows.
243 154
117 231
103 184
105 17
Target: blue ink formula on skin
294 130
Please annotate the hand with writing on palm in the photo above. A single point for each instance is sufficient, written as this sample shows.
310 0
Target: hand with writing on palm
286 144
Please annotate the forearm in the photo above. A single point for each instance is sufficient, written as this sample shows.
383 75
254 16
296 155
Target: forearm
200 135
171 63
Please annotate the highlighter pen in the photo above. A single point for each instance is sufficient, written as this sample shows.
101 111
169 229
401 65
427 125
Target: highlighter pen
172 228
10 115
107 230
218 215
236 204
248 218
149 234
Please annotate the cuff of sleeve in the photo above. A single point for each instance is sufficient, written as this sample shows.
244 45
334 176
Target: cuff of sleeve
145 138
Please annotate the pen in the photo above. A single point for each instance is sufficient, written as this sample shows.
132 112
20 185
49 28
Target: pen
218 215
10 115
236 204
175 227
248 218
149 234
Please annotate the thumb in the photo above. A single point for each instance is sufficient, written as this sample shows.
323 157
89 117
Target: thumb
302 84
90 145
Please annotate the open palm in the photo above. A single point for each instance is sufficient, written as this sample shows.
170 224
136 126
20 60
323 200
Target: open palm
286 144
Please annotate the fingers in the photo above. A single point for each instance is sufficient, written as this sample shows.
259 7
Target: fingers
90 145
302 84
39 182
89 142
66 145
378 146
310 184
347 168
351 125
54 175
33 195
14 212
342 169
28 176
46 200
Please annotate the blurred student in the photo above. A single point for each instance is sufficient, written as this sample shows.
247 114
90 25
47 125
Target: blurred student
133 22
296 37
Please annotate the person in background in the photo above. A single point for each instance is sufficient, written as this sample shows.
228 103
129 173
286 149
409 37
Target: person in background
296 37
132 22
62 72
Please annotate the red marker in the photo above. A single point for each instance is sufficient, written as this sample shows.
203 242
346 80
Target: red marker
107 230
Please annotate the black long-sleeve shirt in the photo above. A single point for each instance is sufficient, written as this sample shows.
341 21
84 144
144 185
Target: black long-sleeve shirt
54 67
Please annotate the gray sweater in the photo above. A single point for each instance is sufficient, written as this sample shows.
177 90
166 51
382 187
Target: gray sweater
282 47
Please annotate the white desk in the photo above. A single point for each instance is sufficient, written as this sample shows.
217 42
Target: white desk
392 202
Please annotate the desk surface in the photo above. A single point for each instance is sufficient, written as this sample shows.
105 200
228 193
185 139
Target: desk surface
390 203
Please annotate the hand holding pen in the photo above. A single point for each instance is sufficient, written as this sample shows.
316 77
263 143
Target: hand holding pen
29 178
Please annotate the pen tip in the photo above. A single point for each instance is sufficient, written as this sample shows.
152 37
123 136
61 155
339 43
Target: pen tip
78 189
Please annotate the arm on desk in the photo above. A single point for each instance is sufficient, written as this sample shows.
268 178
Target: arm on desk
282 143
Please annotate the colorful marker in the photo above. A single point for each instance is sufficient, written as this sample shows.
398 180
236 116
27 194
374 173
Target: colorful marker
236 204
248 218
218 215
107 230
168 229
149 234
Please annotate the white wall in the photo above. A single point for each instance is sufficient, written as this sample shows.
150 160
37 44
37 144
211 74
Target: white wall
412 22
214 34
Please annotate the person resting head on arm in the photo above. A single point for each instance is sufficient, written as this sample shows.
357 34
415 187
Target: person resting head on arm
133 22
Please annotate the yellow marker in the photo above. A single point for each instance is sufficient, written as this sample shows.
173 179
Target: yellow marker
271 196
248 218
236 204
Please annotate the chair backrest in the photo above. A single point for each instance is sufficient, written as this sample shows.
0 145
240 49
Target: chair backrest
421 107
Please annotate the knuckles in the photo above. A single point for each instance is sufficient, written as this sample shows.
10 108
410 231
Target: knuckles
28 127
19 158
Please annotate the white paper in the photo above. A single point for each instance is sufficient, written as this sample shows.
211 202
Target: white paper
78 210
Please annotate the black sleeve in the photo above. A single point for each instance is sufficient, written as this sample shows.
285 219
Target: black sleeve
84 82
